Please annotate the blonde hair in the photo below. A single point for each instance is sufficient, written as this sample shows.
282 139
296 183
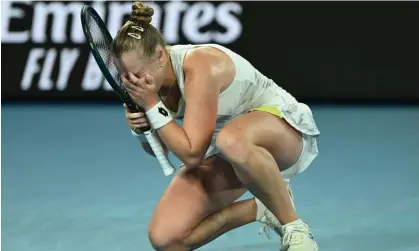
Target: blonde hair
138 32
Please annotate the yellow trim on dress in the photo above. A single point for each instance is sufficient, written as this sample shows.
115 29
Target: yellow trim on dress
269 109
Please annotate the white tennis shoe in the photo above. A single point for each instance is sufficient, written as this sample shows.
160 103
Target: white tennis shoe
295 236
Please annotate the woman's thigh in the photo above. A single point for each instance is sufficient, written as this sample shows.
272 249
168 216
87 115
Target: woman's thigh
266 130
192 195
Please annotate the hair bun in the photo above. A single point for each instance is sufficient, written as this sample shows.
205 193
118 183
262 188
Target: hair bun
141 13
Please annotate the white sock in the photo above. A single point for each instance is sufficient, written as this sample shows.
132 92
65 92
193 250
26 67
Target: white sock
260 209
296 222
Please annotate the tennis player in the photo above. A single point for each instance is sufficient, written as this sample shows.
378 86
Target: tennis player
240 132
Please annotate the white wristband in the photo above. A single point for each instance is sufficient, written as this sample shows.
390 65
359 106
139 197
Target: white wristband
159 116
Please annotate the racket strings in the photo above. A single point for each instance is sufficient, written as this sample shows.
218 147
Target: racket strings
103 46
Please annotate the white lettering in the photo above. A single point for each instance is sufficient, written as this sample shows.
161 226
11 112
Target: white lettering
65 16
67 62
173 12
198 16
32 67
9 12
230 22
59 23
117 11
46 83
60 13
93 77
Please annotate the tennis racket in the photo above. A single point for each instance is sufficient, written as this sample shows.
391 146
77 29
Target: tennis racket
100 41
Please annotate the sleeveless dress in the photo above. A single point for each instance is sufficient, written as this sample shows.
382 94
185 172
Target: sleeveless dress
251 90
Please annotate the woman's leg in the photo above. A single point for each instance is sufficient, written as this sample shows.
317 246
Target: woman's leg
197 207
260 145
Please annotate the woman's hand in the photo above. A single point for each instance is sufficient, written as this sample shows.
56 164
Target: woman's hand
139 120
136 119
143 91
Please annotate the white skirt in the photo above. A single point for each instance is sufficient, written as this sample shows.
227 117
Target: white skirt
300 117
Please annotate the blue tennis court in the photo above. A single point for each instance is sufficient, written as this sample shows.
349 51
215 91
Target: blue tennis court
74 179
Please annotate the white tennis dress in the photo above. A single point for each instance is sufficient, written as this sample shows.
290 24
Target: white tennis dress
249 90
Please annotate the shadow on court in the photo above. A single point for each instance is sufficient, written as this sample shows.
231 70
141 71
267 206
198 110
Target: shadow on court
73 178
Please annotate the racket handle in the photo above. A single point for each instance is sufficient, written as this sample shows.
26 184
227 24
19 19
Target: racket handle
158 150
134 108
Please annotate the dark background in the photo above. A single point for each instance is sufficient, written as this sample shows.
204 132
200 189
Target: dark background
363 52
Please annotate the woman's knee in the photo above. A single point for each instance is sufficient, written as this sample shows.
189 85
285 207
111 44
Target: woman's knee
234 145
166 238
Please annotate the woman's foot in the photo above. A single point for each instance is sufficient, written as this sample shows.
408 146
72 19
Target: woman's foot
297 236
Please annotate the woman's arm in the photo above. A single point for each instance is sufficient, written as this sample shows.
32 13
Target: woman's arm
206 72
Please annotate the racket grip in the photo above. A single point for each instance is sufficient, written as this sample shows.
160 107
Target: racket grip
158 150
134 108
